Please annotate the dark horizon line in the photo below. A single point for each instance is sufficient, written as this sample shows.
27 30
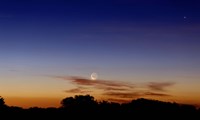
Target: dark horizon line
111 101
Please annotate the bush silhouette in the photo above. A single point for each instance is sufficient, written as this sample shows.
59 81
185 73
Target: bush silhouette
2 103
79 103
139 108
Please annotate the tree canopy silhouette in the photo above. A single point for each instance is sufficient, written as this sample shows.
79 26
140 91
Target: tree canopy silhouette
2 103
89 106
79 103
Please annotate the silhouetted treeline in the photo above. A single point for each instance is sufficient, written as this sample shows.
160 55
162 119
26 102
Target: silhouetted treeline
86 107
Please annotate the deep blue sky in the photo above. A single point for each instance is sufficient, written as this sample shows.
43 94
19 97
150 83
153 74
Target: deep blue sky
130 40
99 33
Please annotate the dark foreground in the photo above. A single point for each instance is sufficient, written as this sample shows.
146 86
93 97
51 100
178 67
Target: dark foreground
85 107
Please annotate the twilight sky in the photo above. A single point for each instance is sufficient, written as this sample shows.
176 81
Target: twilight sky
138 48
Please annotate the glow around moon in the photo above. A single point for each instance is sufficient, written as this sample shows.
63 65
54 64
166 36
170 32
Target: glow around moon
94 76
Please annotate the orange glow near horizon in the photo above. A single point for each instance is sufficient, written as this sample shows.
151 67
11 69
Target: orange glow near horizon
45 102
33 102
45 91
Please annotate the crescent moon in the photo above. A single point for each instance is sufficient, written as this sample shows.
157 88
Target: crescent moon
94 76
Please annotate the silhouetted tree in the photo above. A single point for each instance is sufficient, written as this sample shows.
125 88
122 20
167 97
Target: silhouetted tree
105 106
82 103
67 102
2 103
139 108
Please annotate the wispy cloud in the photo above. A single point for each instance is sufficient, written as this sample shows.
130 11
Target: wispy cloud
118 100
116 90
159 86
123 94
156 94
100 84
77 90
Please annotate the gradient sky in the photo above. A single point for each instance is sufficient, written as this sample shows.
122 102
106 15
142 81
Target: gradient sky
48 46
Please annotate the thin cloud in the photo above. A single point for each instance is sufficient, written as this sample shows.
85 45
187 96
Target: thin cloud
159 86
123 95
116 90
77 90
101 84
156 94
118 100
